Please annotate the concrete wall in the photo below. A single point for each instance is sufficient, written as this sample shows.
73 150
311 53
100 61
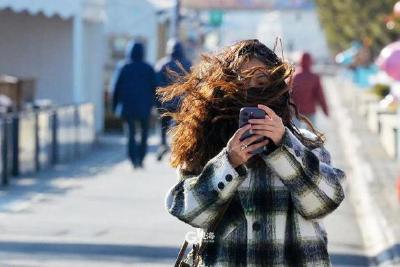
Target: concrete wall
93 66
134 18
42 48
300 30
38 47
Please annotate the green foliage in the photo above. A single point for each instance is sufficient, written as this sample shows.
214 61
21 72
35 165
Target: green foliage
345 21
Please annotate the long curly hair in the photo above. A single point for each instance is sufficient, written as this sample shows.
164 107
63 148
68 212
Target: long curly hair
213 93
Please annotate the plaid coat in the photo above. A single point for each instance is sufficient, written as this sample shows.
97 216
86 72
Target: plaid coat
275 216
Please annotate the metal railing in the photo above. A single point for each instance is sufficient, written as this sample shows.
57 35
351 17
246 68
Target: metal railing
35 140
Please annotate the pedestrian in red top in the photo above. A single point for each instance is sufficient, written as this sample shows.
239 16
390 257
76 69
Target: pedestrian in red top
307 90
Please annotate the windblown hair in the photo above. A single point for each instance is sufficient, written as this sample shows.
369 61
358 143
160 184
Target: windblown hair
212 95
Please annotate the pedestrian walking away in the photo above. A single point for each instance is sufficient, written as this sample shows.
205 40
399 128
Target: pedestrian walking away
278 196
134 96
177 63
307 90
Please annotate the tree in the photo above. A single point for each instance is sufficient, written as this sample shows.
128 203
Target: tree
345 21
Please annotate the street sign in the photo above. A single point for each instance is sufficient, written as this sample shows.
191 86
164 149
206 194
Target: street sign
215 17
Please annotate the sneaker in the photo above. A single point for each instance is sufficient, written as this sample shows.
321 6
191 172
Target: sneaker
140 165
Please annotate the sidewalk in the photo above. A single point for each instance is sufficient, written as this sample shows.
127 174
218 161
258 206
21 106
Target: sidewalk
344 237
98 211
373 181
94 212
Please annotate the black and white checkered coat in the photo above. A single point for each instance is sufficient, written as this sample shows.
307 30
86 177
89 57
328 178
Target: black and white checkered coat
275 216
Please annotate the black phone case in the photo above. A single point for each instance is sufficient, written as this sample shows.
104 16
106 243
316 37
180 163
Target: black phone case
245 114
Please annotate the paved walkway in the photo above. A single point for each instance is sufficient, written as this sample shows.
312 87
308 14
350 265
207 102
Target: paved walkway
345 239
98 211
373 179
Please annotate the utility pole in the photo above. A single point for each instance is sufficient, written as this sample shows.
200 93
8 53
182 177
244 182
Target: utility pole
177 18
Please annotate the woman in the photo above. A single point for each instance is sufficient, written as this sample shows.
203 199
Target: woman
278 197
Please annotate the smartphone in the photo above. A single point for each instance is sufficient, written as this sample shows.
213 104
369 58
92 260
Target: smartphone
245 114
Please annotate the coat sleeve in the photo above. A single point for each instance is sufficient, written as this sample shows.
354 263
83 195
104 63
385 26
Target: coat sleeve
160 80
197 199
153 81
116 85
315 185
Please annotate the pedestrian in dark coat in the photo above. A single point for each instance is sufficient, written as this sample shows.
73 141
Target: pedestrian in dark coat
277 198
176 62
307 90
134 97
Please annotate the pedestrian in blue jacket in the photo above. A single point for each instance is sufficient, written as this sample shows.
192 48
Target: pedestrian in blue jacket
134 97
176 62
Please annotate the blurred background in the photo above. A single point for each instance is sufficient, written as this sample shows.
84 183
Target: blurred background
80 186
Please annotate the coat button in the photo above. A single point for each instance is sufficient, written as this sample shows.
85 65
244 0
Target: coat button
221 185
256 226
228 177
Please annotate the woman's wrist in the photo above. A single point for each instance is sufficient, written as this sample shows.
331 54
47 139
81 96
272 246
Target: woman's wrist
231 161
239 168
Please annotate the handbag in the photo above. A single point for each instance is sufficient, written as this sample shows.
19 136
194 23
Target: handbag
193 259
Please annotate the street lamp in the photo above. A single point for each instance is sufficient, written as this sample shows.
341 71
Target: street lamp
176 19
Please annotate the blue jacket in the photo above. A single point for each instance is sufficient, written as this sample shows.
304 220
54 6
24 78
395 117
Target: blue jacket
176 54
134 85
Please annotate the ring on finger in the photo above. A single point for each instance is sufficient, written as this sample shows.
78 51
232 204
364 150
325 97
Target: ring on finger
243 147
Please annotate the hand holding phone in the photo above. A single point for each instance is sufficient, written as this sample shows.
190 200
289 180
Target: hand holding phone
247 113
238 155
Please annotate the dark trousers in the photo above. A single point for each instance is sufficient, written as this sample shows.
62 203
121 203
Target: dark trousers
165 122
137 149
